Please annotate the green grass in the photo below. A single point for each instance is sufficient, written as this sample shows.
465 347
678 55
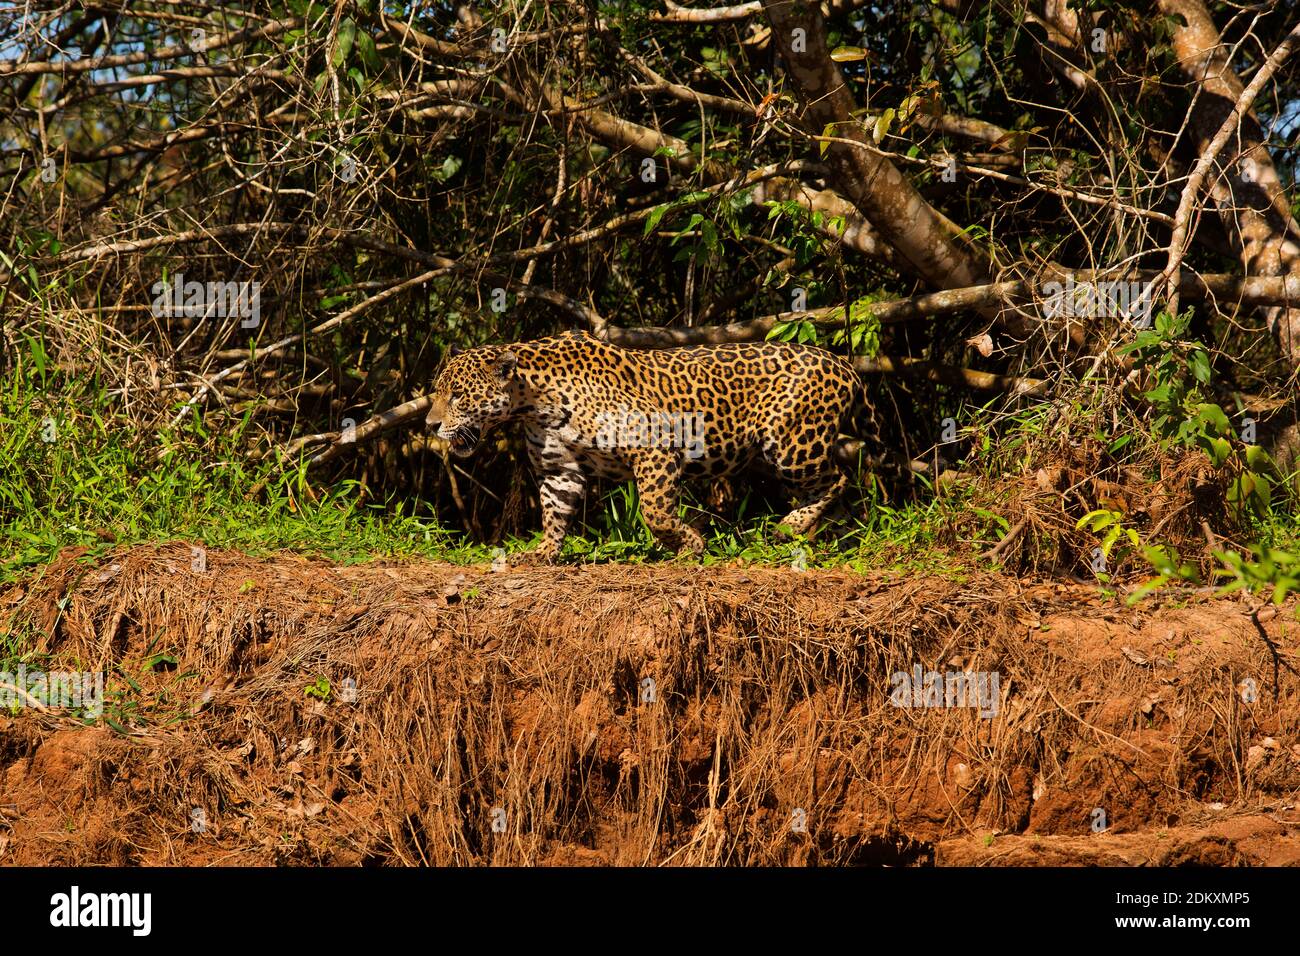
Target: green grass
75 472
878 537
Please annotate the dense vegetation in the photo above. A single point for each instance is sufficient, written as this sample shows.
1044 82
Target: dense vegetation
910 183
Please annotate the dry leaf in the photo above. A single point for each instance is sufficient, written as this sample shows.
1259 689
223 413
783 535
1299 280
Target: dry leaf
982 344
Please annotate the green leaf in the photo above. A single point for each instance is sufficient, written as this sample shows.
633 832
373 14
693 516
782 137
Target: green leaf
709 233
1158 395
1213 415
657 214
343 43
116 726
825 143
1098 519
1257 459
1120 442
1142 590
881 128
1219 449
369 55
848 54
1230 587
1200 365
1282 588
1262 493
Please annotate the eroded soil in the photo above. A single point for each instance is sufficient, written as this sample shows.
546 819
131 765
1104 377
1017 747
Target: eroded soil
652 714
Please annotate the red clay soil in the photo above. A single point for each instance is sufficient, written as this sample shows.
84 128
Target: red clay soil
290 711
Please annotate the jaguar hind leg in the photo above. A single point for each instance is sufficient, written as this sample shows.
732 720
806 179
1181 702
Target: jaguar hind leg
813 504
658 474
814 494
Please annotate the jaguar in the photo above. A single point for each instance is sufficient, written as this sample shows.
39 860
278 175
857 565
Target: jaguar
593 409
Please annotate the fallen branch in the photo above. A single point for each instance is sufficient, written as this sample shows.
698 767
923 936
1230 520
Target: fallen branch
1007 540
952 375
1248 290
679 14
372 428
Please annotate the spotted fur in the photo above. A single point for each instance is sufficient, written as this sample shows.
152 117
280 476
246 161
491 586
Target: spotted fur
700 411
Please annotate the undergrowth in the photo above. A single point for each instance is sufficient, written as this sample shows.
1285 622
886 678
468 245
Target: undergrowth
76 470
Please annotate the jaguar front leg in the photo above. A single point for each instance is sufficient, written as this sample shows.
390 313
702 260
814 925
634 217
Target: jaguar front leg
561 491
561 483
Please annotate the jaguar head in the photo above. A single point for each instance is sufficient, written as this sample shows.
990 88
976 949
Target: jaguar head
475 390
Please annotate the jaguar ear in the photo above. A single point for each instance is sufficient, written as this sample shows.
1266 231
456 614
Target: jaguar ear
505 365
455 350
